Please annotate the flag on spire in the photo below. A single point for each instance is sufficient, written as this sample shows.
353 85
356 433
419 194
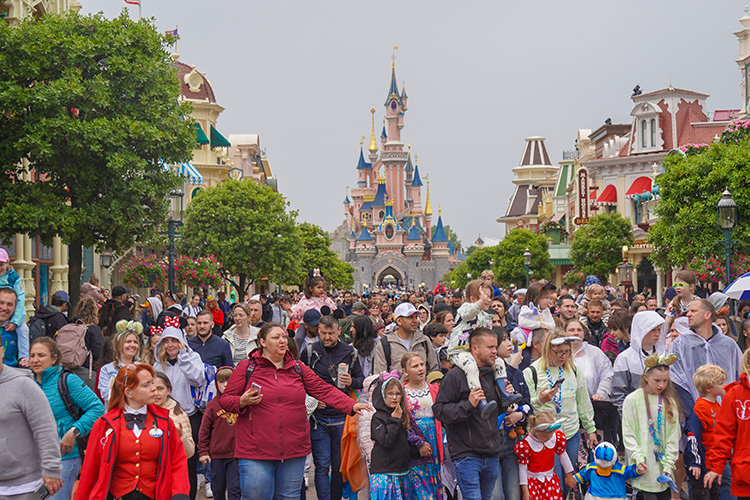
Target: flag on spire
133 2
170 32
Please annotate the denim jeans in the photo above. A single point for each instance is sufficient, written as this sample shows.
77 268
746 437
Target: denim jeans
271 479
571 446
726 484
70 468
325 437
476 476
507 486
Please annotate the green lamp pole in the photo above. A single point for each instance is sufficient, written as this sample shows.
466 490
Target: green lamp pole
526 264
726 214
175 221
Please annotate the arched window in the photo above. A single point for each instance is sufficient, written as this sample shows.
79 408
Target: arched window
196 192
653 132
643 134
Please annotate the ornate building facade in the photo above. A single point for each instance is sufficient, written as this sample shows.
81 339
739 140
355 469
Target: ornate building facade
388 235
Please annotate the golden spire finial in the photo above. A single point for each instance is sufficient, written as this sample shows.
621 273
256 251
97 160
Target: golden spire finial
416 158
373 145
440 210
393 57
362 141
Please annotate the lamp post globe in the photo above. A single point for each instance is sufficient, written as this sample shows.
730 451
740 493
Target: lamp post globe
526 264
726 216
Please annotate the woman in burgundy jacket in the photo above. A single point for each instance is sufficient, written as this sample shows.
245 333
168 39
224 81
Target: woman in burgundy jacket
273 433
134 450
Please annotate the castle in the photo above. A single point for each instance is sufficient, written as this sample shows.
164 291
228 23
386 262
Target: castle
388 235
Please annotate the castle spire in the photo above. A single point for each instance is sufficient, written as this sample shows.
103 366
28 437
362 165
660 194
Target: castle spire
428 205
373 145
393 93
417 180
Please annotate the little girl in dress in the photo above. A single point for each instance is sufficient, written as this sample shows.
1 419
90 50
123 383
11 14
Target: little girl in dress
536 459
315 296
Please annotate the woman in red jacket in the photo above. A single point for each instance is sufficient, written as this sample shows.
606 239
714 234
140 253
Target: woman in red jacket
731 435
273 433
134 450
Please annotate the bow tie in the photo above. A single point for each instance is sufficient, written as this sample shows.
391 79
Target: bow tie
131 419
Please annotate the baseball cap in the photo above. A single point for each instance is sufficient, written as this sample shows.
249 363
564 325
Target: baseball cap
119 290
433 376
311 317
4 255
520 291
359 306
404 310
63 295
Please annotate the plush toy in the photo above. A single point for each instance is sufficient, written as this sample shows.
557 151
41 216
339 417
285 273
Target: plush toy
517 429
606 475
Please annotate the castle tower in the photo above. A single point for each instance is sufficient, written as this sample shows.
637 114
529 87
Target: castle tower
394 158
428 212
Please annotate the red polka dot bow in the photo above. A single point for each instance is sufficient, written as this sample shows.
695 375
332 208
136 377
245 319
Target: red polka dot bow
172 321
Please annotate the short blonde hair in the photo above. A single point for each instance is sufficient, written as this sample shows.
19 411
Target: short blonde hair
708 376
595 288
473 287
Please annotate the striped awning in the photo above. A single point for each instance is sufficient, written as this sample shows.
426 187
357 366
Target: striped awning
187 170
608 196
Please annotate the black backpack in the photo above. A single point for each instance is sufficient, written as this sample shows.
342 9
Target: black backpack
37 328
251 365
75 412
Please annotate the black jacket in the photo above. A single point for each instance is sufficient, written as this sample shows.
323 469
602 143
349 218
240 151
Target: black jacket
595 333
324 362
391 452
110 313
53 320
468 435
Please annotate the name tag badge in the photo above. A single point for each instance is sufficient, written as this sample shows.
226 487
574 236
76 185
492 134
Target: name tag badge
156 433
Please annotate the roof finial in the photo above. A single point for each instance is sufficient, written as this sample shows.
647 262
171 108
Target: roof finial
428 205
416 159
373 145
362 141
440 210
393 57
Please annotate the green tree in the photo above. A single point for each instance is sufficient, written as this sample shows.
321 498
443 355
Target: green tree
89 110
457 278
597 246
249 229
690 188
317 254
508 266
471 250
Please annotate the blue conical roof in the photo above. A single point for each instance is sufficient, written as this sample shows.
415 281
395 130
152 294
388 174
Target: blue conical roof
346 200
380 195
393 93
439 235
414 234
409 167
362 163
352 236
417 180
365 235
383 134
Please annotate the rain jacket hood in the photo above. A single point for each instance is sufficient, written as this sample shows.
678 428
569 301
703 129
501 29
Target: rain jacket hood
644 322
156 307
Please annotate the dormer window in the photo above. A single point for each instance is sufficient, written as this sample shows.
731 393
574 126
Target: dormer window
647 134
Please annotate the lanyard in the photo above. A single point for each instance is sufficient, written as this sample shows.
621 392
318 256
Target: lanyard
557 398
658 450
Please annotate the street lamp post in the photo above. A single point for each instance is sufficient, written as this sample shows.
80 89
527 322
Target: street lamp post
175 221
726 215
106 259
526 264
626 271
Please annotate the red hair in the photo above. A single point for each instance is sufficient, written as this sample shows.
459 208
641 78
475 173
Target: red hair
126 379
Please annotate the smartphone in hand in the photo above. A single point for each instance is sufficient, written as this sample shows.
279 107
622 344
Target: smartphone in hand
558 383
255 386
42 492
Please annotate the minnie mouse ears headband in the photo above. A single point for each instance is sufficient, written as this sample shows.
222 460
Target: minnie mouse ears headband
314 273
564 340
659 360
547 427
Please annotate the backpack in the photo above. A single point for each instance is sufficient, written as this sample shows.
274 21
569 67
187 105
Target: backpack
206 392
73 410
37 328
71 339
313 356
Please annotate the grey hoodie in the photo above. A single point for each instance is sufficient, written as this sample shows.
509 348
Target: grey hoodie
156 306
29 443
187 372
629 364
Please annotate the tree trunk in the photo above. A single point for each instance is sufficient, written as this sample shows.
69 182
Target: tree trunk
241 288
75 265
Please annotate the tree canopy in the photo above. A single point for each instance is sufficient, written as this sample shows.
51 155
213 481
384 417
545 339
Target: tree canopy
597 247
249 229
317 254
506 260
89 111
690 188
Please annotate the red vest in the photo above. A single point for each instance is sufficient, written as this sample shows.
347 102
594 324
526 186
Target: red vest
136 464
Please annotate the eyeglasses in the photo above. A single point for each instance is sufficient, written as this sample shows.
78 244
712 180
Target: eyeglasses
678 286
562 354
393 395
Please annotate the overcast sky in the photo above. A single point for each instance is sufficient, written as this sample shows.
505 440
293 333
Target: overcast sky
480 75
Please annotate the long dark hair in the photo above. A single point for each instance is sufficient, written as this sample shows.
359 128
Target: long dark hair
364 336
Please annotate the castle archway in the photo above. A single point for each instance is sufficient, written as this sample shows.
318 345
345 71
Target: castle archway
390 276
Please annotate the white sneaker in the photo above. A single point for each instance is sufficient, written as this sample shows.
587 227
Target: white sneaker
209 493
307 482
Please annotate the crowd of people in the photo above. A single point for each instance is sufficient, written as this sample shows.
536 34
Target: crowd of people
478 393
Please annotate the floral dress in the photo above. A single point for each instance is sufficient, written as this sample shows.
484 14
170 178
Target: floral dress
423 480
536 461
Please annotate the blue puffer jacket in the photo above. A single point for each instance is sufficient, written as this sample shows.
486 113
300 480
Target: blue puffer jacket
83 397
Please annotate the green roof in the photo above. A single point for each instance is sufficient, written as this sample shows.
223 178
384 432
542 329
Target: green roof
218 140
201 135
562 180
559 255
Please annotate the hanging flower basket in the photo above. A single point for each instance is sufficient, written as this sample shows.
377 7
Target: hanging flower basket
708 270
573 279
144 272
200 272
